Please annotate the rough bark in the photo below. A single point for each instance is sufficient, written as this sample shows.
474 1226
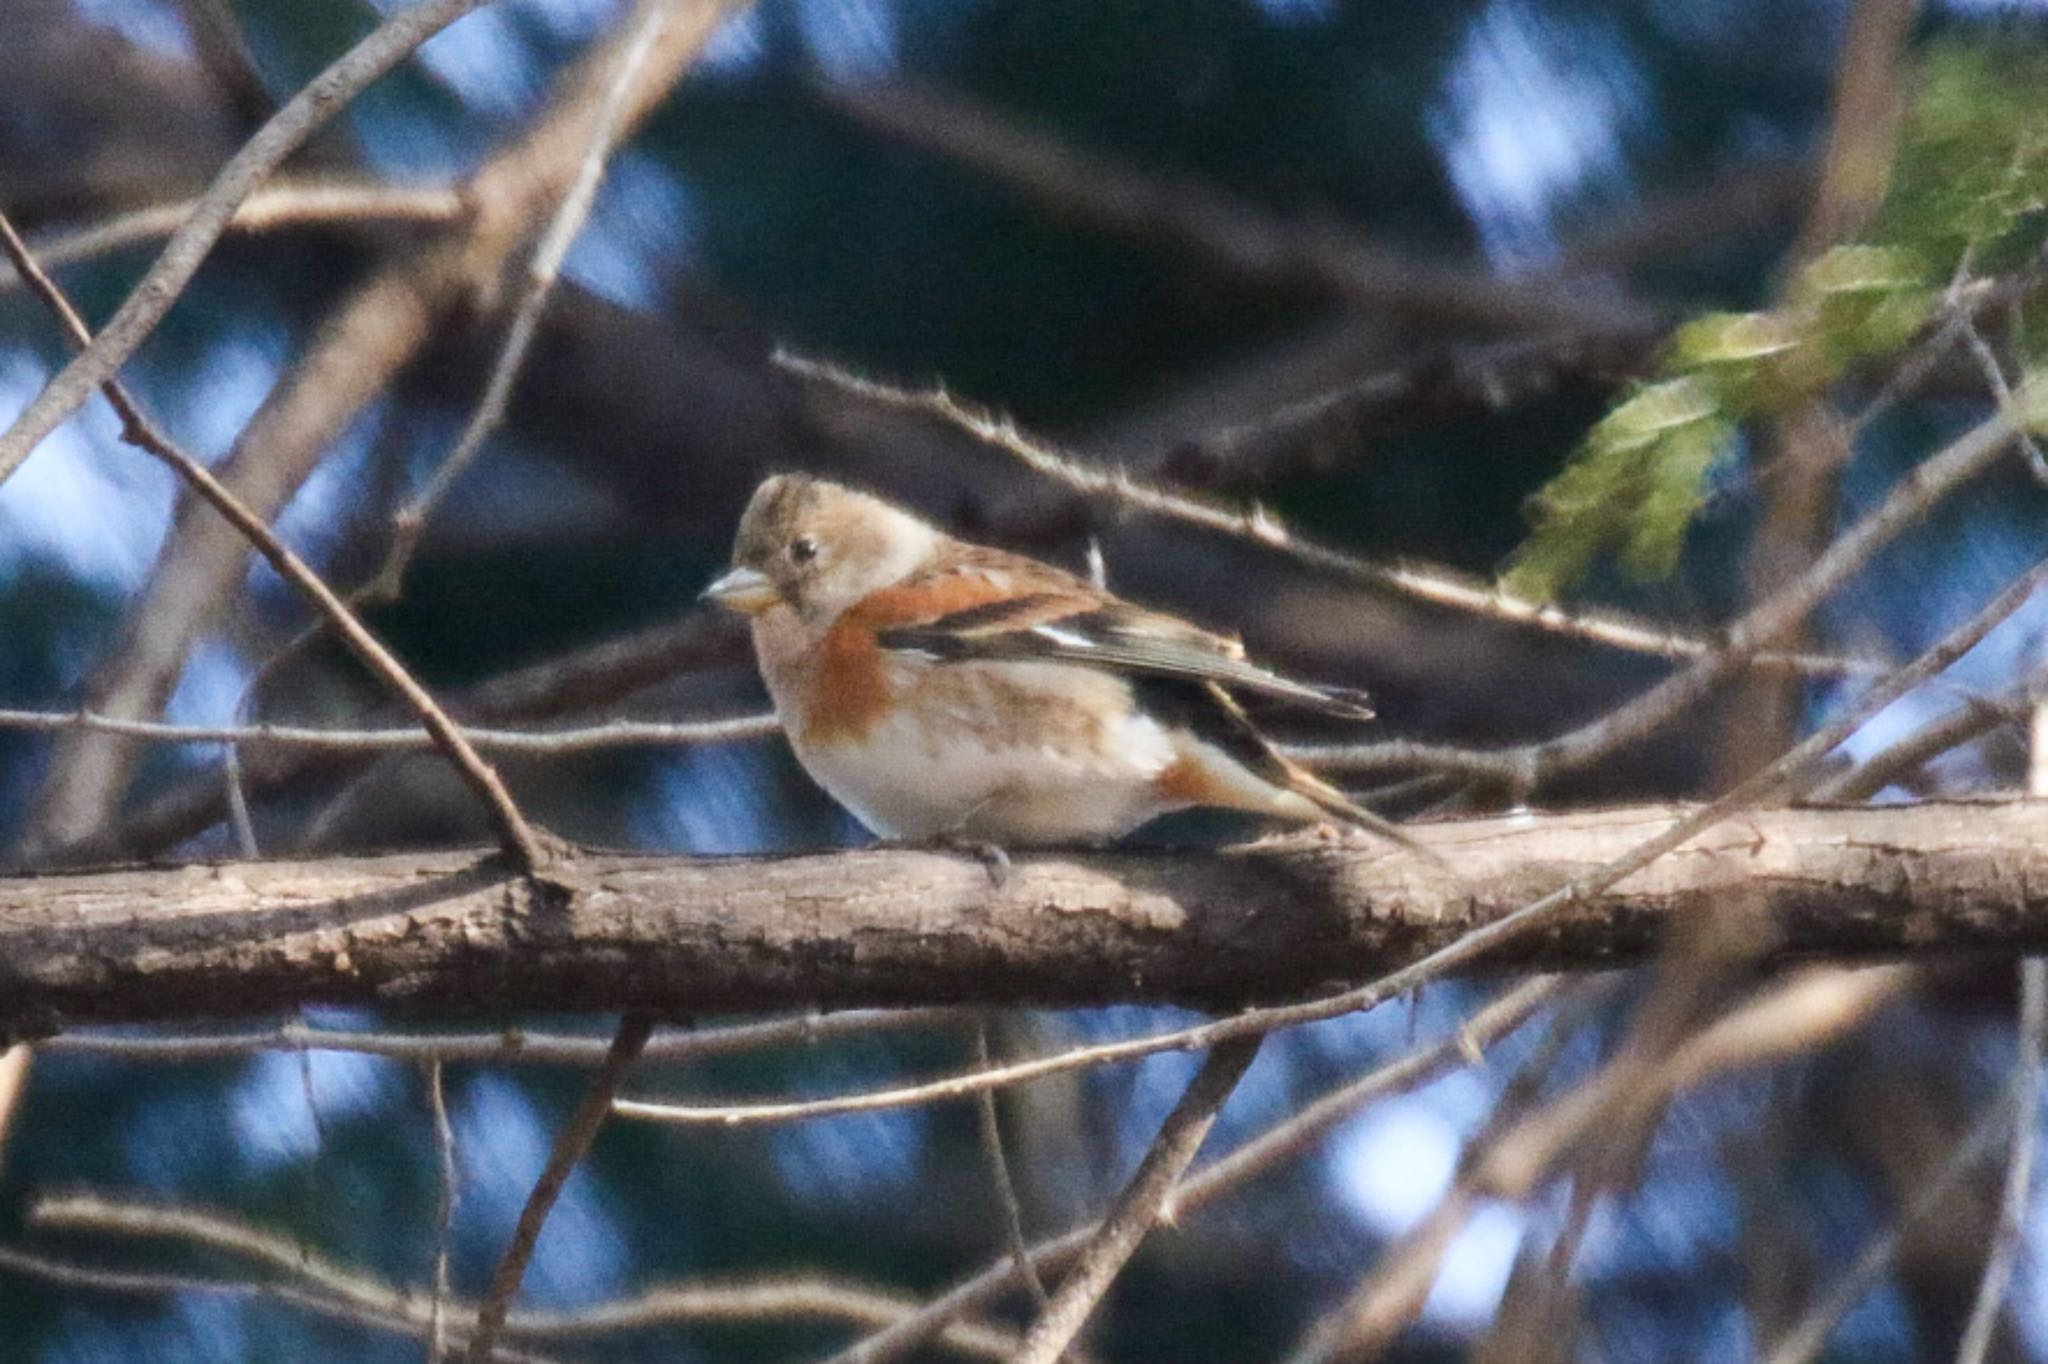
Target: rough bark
451 932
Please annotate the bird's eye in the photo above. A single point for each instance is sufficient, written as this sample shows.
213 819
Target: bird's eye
803 549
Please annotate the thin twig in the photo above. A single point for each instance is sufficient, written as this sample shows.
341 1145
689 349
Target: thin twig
1925 486
1432 583
409 739
1138 1206
520 842
510 1046
1900 761
2009 1237
1808 1337
390 43
300 204
1462 951
1396 1288
782 1299
1240 236
223 51
389 1313
239 818
320 1285
89 1212
1788 1019
990 1126
571 1144
357 354
542 270
1226 1174
1300 1130
1994 376
444 1210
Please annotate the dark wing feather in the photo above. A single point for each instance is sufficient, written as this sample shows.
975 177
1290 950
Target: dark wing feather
1096 632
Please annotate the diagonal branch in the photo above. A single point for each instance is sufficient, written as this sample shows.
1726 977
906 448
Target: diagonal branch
361 348
1139 1205
1289 1137
520 841
1433 584
390 43
572 1143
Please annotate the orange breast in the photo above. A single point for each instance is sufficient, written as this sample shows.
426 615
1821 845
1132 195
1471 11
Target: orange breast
849 691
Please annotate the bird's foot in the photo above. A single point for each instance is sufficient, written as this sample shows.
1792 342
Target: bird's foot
993 859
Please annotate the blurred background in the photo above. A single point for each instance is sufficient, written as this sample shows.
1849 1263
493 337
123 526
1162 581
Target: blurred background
1378 266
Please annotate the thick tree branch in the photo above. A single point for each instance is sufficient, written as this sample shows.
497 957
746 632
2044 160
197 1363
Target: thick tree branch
446 933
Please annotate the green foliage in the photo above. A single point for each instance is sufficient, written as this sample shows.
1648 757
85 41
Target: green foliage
1635 484
1972 172
1968 191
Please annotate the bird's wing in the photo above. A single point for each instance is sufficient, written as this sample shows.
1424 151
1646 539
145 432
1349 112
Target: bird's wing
1040 614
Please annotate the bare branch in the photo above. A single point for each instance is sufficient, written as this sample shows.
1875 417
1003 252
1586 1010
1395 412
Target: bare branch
511 1046
1396 1288
1111 1245
390 43
519 840
1900 761
826 1299
1431 583
2009 1237
989 1125
314 1283
444 1209
688 935
362 346
1808 1337
542 270
1298 1132
389 1315
224 52
587 678
295 204
572 1143
1225 1175
583 739
89 1212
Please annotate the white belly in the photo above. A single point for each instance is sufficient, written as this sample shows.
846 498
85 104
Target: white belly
966 765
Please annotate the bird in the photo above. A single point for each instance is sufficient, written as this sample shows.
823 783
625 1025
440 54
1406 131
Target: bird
953 693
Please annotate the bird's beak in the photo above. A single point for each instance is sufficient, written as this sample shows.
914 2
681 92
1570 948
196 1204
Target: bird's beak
744 589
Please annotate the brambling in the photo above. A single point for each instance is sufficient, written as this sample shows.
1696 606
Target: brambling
945 691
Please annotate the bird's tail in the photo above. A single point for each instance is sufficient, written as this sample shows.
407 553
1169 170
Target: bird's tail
1328 800
1258 777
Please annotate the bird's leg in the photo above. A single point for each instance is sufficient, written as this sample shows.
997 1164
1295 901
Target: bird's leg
993 859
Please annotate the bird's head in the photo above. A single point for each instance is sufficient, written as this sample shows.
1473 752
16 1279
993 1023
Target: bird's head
818 548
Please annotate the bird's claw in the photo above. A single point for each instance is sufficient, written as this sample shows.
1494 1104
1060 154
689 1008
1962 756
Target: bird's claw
993 859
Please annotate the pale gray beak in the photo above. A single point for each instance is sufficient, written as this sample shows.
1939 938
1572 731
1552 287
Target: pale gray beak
744 589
